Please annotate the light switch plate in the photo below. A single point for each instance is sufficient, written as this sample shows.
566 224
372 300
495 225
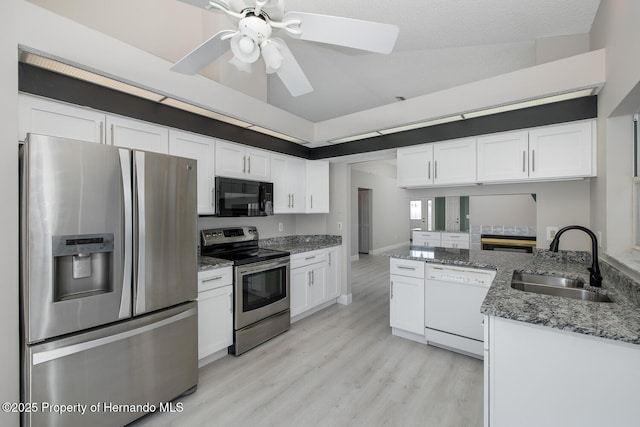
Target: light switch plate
280 226
551 232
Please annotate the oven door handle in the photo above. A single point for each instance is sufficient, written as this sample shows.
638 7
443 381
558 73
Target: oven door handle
263 266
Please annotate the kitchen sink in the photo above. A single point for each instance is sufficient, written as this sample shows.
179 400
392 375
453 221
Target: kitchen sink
555 286
541 279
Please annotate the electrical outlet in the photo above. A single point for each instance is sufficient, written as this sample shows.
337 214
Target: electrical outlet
551 232
280 226
339 225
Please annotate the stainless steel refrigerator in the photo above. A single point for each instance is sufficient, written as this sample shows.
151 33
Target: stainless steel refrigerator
108 281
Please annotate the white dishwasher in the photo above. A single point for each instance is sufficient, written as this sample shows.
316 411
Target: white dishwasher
453 296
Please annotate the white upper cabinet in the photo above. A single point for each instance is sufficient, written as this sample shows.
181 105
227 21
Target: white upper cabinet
503 157
454 162
441 163
202 149
288 177
135 134
562 151
317 183
415 166
550 152
37 115
240 161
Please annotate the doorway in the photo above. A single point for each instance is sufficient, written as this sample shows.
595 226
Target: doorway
364 220
421 215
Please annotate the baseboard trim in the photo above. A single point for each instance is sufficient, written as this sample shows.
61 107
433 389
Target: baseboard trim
345 299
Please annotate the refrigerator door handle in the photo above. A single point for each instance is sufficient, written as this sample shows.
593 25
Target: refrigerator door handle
140 282
57 353
125 169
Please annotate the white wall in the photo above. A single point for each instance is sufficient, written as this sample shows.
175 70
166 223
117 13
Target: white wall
512 210
616 29
9 350
390 208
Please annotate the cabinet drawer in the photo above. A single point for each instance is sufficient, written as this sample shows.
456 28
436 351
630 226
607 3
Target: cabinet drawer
409 268
455 236
427 235
212 279
308 258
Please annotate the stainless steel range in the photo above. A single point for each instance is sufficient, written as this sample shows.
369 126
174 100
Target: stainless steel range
261 284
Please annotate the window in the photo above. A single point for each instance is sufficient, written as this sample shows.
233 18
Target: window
636 181
415 209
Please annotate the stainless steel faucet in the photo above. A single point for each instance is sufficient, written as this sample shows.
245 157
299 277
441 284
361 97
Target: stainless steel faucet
595 278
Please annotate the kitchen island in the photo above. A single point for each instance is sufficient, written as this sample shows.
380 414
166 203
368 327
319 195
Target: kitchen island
550 360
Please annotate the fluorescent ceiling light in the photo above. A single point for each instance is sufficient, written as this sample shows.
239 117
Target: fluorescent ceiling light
531 103
88 76
276 134
203 112
355 137
434 122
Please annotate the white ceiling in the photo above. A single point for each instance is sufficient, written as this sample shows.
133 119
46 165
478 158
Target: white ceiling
442 44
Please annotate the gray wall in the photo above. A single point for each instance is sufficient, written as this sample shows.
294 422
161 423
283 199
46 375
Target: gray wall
9 350
390 208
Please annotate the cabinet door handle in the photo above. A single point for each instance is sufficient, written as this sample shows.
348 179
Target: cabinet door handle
435 169
244 164
113 135
309 257
392 289
212 279
101 132
524 155
293 200
312 201
402 267
329 255
309 278
533 160
249 168
231 303
313 277
429 170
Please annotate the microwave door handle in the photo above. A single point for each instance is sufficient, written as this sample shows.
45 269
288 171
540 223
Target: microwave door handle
125 170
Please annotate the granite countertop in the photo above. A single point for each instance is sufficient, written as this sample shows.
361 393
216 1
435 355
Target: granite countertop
291 244
302 243
206 263
619 320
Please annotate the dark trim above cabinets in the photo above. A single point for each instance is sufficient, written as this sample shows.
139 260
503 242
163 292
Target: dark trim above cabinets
42 82
49 84
559 112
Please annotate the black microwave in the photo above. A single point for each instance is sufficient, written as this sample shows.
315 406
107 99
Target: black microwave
239 197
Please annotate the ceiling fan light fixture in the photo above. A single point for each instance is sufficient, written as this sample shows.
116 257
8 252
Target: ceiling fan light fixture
271 55
244 48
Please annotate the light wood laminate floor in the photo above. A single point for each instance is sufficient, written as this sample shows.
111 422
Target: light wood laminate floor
338 367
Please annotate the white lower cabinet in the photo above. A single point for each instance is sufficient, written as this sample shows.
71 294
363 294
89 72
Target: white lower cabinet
215 312
540 376
406 296
426 238
455 240
314 280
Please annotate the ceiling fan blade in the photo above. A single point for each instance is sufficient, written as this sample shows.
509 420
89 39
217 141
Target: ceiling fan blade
204 54
354 33
204 4
290 71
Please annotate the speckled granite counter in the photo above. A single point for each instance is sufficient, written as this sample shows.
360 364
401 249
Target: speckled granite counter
209 263
303 243
619 320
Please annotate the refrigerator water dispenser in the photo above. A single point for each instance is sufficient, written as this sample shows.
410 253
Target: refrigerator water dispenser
82 265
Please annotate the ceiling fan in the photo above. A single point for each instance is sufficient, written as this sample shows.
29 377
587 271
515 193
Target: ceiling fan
257 19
